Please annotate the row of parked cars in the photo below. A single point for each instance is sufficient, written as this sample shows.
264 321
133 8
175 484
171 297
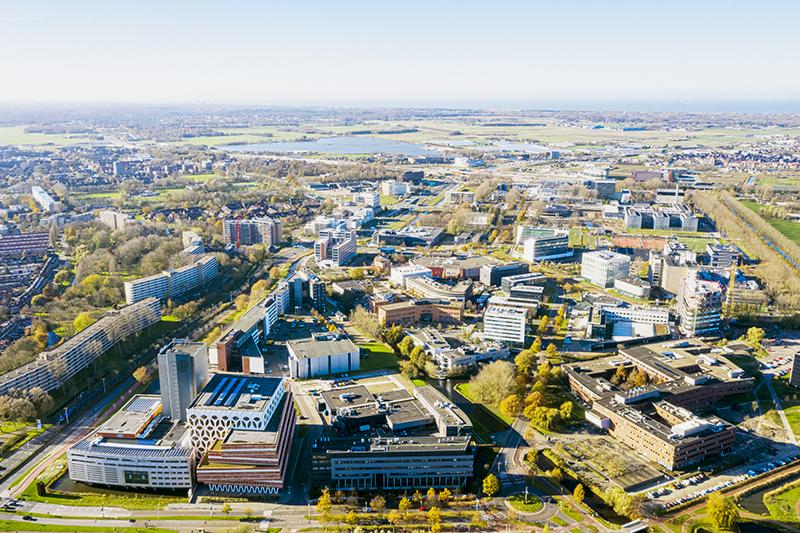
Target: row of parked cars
723 485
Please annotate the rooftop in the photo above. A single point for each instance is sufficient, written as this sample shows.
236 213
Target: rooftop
320 346
237 392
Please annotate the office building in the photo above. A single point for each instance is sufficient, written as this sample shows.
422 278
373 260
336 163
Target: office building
394 188
542 244
427 442
456 267
242 430
368 199
602 267
658 420
451 356
633 286
612 322
335 247
57 366
409 236
400 274
240 347
137 448
459 197
182 372
506 323
323 354
670 196
425 287
172 284
264 230
722 255
660 217
606 189
700 307
423 310
491 275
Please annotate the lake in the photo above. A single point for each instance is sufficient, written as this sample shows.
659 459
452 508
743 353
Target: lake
343 145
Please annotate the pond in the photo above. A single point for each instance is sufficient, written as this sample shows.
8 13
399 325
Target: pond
343 145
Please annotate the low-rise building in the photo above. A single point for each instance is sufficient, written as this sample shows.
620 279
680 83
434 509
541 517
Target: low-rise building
322 355
491 275
603 267
542 244
633 286
422 310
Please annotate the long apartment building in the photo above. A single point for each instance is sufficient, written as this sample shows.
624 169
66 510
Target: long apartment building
663 420
174 283
248 232
64 361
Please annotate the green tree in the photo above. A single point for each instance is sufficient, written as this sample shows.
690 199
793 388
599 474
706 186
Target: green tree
755 336
434 516
351 518
394 517
722 512
405 346
83 321
491 485
275 273
565 410
430 496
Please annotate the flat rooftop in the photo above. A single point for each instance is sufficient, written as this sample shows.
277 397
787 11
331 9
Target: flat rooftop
410 444
135 417
313 348
237 392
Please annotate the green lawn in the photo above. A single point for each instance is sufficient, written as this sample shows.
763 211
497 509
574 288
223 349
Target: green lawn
464 390
202 177
17 135
783 505
386 201
787 227
13 525
95 195
532 505
377 355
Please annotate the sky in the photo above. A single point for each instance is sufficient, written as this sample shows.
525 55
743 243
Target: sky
432 53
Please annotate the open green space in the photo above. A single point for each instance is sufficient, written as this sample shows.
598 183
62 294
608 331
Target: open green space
203 177
523 504
98 195
787 227
18 135
13 525
782 504
466 392
387 201
377 355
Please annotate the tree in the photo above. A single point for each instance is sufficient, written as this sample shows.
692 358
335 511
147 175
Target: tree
259 290
39 300
755 336
511 406
226 508
556 475
536 346
543 323
722 512
241 302
83 321
324 504
491 485
552 350
351 518
141 374
275 273
494 382
430 496
579 493
543 418
565 410
377 504
534 399
394 517
445 496
434 516
405 346
405 505
525 361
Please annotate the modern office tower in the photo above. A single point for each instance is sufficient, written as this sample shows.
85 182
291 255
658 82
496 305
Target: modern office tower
540 244
505 323
602 267
322 355
492 274
58 365
182 372
335 246
264 230
700 307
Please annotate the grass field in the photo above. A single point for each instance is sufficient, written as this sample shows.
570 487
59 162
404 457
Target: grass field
787 227
532 505
13 525
202 177
98 195
466 392
377 355
783 505
17 135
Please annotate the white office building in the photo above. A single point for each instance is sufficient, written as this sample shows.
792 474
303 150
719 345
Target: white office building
602 267
402 273
322 355
506 324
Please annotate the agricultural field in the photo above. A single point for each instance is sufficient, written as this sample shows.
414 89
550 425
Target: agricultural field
787 227
17 135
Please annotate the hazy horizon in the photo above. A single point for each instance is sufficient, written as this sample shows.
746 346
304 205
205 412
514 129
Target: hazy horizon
445 54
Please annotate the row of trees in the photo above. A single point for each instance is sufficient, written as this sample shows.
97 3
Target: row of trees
25 404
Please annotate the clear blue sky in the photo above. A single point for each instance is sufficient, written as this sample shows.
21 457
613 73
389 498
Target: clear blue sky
398 53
